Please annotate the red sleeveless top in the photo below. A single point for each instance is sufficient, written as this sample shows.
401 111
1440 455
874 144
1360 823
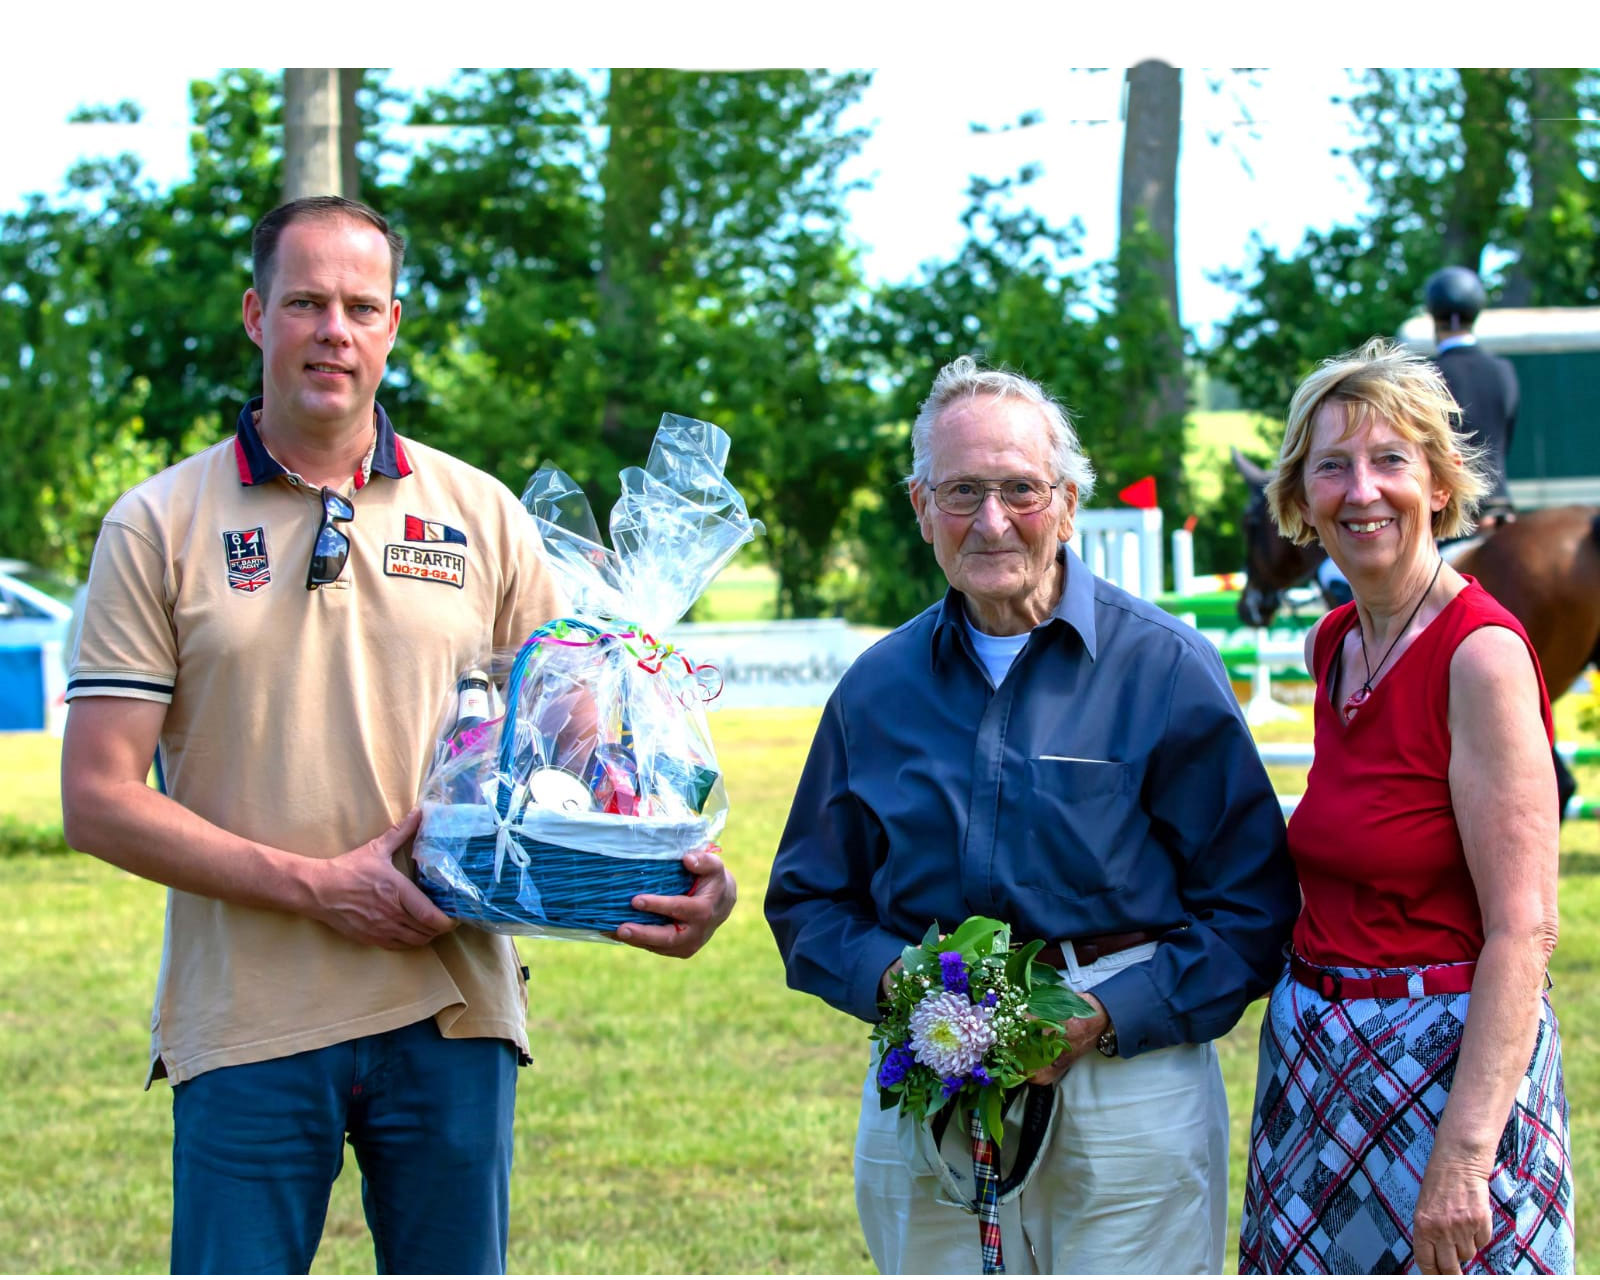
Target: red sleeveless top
1374 840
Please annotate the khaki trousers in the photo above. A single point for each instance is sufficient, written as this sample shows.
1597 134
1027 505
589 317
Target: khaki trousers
1133 1178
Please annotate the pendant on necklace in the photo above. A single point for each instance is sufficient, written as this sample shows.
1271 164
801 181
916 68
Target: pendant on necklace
1353 703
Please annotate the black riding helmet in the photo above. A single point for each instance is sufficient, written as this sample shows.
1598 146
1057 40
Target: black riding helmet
1454 297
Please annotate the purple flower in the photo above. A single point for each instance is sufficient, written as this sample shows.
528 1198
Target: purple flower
953 969
951 1087
981 1077
894 1066
990 999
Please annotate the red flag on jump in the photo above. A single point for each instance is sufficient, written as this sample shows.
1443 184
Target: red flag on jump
1141 493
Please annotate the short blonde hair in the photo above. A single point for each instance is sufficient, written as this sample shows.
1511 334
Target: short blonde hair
1408 392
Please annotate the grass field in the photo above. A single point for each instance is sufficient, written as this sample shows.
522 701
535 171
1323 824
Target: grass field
690 1117
745 591
1205 456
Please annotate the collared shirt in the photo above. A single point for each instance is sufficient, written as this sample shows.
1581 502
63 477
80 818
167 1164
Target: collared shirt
1109 784
386 455
305 720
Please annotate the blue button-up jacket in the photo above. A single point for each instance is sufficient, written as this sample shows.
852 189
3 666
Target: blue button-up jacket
1109 784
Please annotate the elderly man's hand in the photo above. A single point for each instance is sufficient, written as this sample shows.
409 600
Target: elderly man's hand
696 915
1081 1034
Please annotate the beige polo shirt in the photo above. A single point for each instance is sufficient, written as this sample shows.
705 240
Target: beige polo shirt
303 719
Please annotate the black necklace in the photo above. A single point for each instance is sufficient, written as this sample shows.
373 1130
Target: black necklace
1352 704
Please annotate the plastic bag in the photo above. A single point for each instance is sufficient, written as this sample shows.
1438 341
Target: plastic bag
599 774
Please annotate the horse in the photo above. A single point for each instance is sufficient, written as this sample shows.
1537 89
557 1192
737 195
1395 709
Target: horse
1544 567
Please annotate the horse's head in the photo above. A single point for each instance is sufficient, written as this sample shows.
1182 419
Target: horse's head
1272 563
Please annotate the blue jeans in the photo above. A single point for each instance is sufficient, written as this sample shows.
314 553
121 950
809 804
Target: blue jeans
256 1149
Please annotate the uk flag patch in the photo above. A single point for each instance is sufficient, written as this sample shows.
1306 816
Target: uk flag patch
420 530
246 551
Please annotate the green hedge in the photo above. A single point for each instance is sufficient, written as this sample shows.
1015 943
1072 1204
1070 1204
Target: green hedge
17 838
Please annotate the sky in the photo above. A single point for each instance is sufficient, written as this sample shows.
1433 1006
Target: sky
1257 156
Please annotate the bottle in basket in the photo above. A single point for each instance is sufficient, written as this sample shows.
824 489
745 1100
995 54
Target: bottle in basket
473 709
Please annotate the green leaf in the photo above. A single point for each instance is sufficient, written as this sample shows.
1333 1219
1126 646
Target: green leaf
991 1106
1057 1004
1019 964
917 960
972 932
931 938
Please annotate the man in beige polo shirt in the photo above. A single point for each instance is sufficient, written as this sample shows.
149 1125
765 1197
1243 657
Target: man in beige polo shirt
276 622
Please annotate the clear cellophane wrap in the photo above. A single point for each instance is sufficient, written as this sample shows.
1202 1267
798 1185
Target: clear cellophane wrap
596 775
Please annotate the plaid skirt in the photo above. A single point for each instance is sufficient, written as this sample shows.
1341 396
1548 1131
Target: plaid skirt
1348 1097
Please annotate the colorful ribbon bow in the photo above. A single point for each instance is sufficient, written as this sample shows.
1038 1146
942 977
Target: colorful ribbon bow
657 657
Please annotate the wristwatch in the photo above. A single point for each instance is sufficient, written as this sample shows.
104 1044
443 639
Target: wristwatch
1107 1043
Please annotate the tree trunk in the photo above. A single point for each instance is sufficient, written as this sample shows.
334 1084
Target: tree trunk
1149 217
634 178
1552 161
1485 174
1150 161
349 132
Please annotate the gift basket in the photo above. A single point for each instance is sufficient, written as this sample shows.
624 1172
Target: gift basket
546 812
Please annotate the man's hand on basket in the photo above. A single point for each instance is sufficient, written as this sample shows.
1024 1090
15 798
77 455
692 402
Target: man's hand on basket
365 896
696 915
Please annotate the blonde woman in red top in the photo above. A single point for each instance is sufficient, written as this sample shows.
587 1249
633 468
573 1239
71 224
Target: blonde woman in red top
1410 1110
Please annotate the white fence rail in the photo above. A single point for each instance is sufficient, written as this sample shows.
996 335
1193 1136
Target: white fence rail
1123 546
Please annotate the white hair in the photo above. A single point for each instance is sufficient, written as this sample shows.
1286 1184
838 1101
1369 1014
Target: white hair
964 376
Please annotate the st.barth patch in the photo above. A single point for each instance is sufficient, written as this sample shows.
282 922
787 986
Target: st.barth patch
246 551
425 562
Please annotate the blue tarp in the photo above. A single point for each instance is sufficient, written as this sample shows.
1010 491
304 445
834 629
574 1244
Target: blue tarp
22 692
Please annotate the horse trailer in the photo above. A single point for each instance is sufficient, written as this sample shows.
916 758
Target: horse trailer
1555 451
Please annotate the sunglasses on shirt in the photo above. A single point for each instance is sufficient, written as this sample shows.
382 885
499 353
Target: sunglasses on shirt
332 547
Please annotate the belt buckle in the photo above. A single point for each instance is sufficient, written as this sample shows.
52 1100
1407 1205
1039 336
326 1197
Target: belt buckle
1330 986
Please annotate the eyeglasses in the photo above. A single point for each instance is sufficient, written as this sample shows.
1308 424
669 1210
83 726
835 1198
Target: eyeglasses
1022 496
332 547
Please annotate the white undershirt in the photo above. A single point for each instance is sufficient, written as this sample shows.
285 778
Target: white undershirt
997 653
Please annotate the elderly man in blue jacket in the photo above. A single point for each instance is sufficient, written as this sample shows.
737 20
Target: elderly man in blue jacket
1045 749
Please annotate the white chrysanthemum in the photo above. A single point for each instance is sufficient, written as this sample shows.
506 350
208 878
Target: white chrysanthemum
949 1033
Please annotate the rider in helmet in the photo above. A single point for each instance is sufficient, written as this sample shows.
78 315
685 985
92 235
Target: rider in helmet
1484 385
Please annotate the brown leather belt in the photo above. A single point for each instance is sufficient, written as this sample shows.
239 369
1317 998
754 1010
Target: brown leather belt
1088 950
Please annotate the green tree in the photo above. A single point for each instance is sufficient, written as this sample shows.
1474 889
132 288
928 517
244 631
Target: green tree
1469 166
586 253
1337 289
123 348
1017 296
589 258
1559 227
1437 148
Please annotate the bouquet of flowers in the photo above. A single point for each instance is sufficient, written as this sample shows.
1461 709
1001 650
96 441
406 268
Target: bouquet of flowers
967 1019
